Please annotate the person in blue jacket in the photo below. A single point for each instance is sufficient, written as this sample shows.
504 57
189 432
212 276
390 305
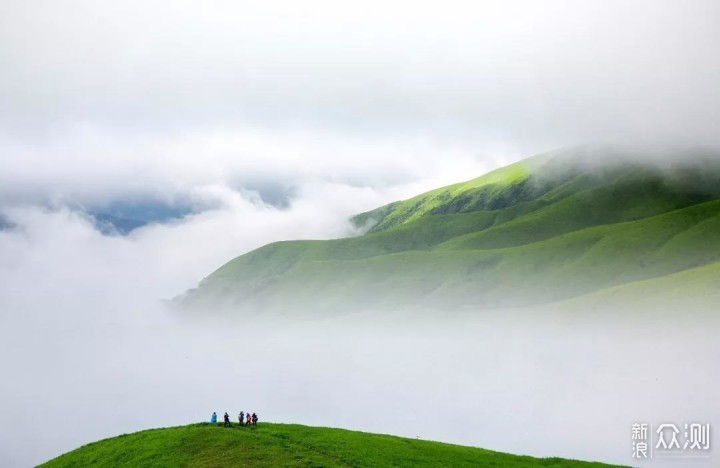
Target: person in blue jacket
213 418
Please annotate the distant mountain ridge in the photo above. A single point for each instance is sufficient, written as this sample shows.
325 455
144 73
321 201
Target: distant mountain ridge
550 228
123 217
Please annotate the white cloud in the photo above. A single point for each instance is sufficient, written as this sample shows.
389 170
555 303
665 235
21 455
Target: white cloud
534 74
142 97
89 165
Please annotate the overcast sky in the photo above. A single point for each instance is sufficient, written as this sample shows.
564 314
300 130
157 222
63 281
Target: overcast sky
103 97
330 107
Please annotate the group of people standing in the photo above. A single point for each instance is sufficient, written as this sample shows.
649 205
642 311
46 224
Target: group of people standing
245 419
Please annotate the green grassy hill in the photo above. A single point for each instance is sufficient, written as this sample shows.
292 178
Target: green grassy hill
205 445
553 227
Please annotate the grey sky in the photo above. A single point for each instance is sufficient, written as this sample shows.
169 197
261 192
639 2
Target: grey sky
377 91
502 69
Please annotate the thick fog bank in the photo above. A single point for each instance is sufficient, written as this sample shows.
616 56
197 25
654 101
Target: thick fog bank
522 382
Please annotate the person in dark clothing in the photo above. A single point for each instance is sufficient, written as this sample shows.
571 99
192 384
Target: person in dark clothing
241 417
227 419
254 419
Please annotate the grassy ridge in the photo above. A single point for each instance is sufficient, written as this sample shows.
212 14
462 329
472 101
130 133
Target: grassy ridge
692 289
205 445
457 198
546 229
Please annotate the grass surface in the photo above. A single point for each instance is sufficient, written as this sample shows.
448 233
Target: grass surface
205 445
547 229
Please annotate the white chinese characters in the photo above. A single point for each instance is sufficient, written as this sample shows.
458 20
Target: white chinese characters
668 440
663 430
639 445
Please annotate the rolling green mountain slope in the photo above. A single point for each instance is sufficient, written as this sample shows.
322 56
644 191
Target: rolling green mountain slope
550 228
694 289
205 445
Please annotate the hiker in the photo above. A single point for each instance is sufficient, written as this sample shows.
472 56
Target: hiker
227 419
241 417
249 418
213 418
254 419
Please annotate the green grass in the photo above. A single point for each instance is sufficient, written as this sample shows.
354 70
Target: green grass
205 445
457 198
543 230
692 289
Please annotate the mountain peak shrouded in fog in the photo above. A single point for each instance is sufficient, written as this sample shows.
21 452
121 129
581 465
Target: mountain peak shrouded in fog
549 228
685 171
